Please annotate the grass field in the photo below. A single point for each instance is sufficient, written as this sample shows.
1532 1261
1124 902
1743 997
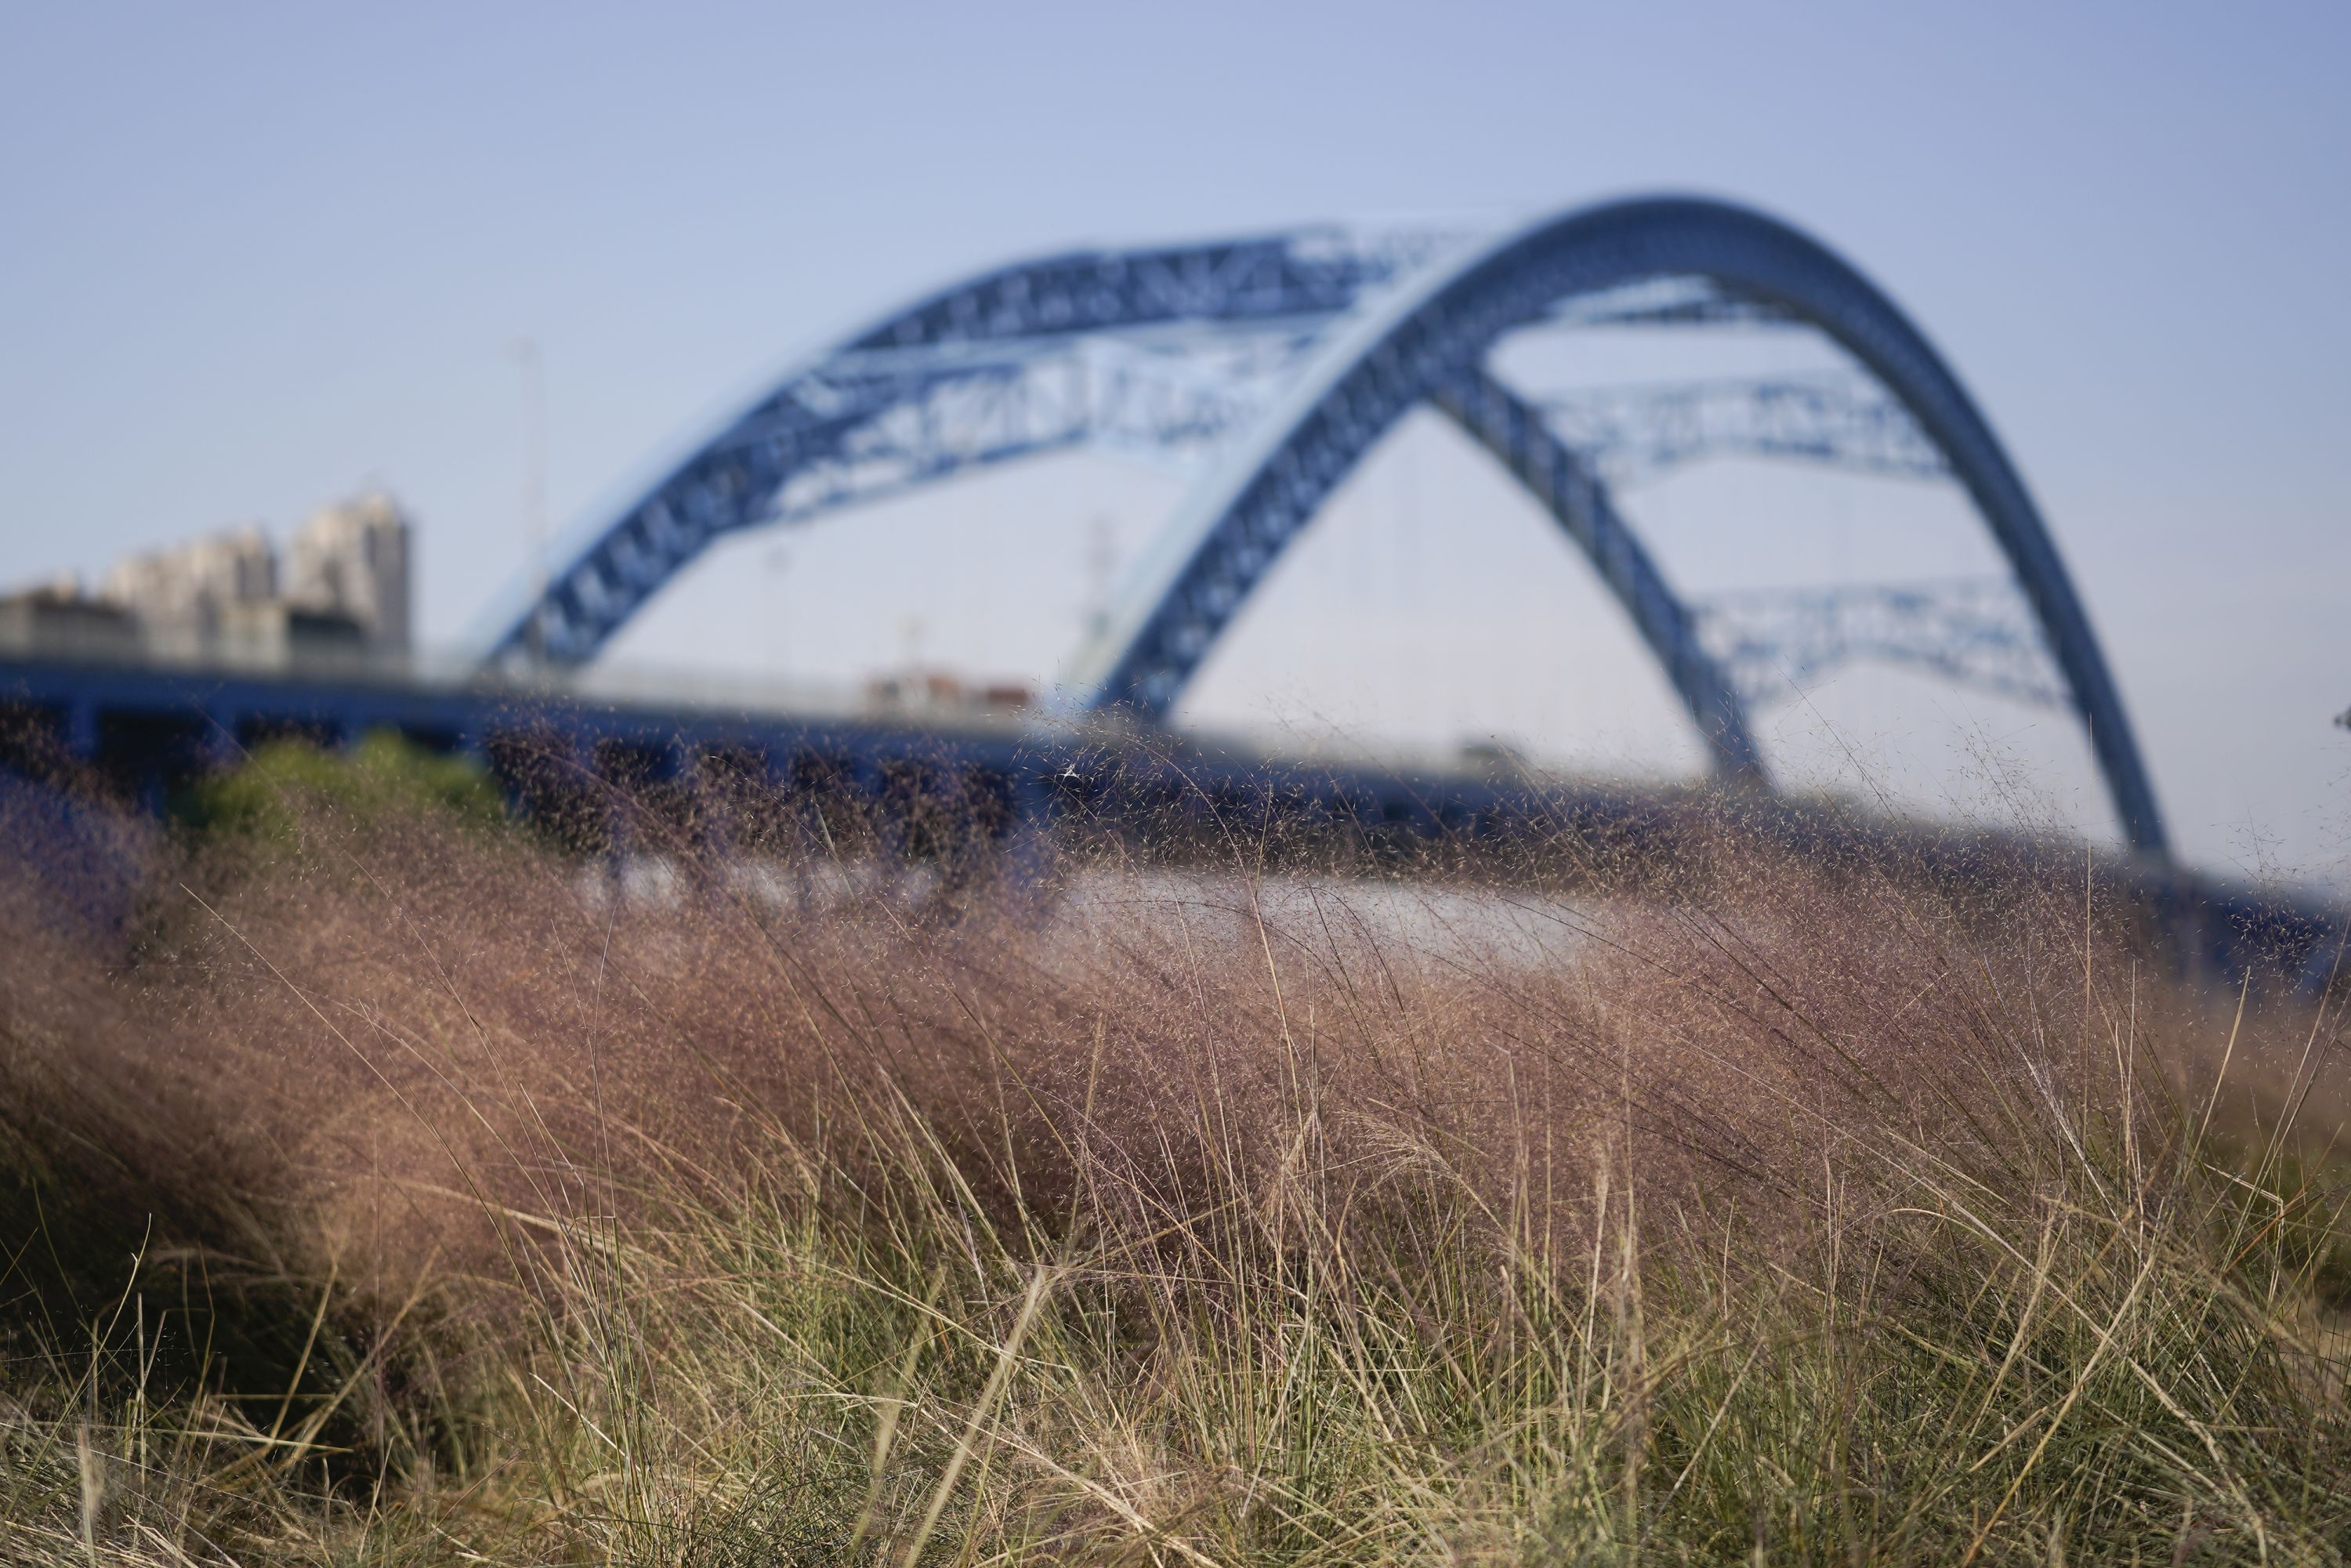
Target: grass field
384 1185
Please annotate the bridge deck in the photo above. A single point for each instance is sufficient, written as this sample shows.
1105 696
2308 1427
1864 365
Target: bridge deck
145 731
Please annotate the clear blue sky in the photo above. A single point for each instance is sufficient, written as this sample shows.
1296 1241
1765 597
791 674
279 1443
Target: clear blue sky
251 257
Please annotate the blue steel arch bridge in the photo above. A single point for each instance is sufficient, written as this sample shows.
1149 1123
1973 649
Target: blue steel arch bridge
1269 366
1266 368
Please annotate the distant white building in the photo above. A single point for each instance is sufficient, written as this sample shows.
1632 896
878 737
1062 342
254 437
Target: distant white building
352 559
186 592
342 595
57 617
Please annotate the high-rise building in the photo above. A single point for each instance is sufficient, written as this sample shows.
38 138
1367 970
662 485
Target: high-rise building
352 559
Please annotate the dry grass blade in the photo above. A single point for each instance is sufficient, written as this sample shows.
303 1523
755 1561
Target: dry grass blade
758 1185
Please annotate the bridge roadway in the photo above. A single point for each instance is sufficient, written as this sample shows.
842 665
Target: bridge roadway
145 730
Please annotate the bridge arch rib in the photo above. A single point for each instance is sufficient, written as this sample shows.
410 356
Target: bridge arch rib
1428 342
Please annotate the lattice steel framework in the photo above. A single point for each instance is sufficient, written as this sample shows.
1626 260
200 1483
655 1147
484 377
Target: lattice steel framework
1271 365
1969 631
1634 433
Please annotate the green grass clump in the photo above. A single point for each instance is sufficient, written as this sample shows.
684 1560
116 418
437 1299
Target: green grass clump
383 775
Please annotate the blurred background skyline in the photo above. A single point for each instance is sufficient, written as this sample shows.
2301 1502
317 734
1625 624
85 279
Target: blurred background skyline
260 258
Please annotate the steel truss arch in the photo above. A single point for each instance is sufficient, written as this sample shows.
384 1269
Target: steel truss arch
1420 343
